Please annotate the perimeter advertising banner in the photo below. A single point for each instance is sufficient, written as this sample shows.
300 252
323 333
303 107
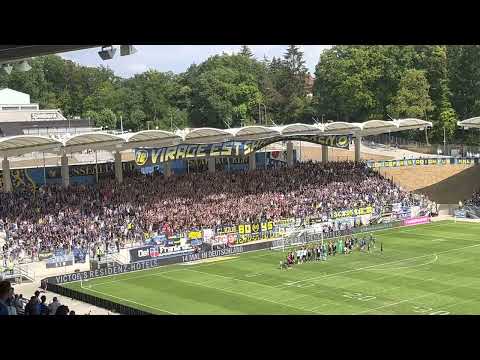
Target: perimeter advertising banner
155 156
154 262
423 162
416 221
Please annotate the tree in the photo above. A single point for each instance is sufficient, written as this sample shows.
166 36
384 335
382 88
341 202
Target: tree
345 83
225 90
412 98
135 121
245 51
106 119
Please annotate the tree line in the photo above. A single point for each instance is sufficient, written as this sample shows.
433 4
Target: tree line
437 83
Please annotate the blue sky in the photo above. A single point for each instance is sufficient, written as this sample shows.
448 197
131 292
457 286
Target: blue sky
177 58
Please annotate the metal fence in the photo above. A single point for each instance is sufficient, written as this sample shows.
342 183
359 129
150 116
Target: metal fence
95 301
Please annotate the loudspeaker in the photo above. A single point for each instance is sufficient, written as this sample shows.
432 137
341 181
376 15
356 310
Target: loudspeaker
126 50
107 54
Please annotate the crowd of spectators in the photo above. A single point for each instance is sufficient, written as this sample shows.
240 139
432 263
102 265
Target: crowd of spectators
113 214
474 200
14 304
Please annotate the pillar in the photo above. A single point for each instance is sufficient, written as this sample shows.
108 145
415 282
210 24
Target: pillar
252 162
7 180
168 169
324 154
118 167
289 153
211 164
358 141
65 171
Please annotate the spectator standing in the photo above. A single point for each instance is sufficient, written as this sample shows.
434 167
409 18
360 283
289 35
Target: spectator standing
62 310
53 306
43 306
32 307
10 302
4 293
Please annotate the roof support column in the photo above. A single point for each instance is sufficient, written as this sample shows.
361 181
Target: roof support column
167 169
211 164
252 162
324 154
358 142
7 180
118 167
289 154
65 171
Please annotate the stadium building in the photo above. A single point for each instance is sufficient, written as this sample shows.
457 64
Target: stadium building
18 116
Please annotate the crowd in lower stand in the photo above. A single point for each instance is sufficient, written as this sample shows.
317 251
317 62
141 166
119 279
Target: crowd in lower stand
15 304
113 214
475 199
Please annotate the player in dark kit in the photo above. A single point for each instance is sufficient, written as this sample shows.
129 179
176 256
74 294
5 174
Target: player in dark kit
381 247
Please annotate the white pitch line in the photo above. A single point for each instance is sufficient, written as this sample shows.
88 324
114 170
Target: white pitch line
130 301
411 266
129 278
414 298
373 266
237 293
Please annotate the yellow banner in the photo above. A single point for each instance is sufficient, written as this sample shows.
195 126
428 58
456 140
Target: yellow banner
193 235
352 212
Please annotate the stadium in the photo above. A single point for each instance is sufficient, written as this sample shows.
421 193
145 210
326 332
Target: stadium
318 218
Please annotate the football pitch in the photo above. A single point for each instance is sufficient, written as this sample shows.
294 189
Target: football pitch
431 269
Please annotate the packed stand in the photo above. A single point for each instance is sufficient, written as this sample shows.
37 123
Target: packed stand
474 200
112 214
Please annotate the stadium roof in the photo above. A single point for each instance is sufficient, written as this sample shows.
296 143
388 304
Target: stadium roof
11 53
19 145
470 123
24 144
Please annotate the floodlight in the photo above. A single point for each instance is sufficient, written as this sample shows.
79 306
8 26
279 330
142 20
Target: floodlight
8 68
24 66
126 50
107 53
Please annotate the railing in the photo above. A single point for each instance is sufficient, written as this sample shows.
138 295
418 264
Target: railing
26 271
473 211
19 272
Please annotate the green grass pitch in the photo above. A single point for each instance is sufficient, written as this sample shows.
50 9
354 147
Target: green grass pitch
431 269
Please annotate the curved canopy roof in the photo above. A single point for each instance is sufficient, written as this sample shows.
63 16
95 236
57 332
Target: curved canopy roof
470 123
305 129
206 135
374 127
95 140
256 132
18 145
408 124
146 137
24 144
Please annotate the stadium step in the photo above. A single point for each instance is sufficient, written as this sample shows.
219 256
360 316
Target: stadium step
446 184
